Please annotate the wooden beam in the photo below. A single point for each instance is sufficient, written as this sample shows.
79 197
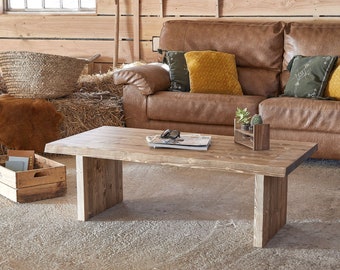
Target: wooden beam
217 8
136 31
116 43
161 9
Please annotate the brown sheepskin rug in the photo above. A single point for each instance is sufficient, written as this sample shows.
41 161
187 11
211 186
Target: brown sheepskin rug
28 124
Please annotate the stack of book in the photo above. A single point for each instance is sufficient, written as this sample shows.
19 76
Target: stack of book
190 142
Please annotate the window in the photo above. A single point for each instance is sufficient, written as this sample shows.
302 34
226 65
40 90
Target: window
50 5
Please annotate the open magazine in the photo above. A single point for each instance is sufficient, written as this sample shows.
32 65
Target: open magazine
190 142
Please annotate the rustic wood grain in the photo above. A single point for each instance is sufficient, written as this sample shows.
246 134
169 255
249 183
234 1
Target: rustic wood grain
270 207
34 193
256 139
106 7
100 153
46 180
41 192
99 185
72 26
66 47
129 144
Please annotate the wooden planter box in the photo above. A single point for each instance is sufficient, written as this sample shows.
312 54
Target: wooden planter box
47 180
257 139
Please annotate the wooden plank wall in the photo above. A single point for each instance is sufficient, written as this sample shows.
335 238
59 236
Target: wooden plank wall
139 23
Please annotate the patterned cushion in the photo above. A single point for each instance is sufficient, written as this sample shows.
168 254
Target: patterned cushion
333 87
212 72
309 76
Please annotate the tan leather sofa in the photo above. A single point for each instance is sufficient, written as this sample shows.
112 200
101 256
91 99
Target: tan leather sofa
262 51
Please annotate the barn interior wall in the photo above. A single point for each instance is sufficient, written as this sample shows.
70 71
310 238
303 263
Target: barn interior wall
130 34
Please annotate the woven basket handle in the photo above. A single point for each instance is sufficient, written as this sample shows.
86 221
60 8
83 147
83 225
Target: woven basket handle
92 58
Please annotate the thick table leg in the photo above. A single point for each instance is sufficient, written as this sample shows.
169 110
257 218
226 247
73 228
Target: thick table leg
99 185
270 207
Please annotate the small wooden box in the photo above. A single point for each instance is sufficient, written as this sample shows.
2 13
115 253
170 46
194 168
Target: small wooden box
47 180
257 139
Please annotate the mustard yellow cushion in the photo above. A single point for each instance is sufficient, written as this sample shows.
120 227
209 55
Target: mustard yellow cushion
333 86
212 72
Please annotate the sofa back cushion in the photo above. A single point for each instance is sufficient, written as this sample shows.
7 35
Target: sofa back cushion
309 39
257 46
213 72
309 75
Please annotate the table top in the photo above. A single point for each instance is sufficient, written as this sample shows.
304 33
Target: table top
129 144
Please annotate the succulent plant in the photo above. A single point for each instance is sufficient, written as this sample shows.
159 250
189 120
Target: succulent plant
243 116
256 120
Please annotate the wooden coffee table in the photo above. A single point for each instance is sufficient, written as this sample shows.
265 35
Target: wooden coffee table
101 151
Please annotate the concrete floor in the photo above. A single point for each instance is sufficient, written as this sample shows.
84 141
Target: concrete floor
175 218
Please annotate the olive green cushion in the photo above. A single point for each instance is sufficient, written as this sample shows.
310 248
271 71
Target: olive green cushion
309 75
179 75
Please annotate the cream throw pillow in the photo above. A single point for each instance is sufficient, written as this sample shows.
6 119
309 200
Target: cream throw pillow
333 86
213 72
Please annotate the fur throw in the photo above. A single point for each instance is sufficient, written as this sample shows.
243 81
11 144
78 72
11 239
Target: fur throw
28 124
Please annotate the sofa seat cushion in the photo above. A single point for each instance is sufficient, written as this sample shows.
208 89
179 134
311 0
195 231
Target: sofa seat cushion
291 113
214 109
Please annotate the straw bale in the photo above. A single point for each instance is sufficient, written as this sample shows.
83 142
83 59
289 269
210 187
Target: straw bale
98 102
83 113
3 87
99 83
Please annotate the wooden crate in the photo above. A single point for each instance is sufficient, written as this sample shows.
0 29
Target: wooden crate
47 180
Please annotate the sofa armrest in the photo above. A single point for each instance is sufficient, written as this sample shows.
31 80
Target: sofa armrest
149 79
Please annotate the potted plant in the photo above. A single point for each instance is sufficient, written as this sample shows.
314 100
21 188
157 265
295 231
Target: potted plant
256 119
243 117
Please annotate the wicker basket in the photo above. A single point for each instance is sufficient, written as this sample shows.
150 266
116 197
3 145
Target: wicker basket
39 75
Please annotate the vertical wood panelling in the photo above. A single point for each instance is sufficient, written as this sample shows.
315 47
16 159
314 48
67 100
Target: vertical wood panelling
139 22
